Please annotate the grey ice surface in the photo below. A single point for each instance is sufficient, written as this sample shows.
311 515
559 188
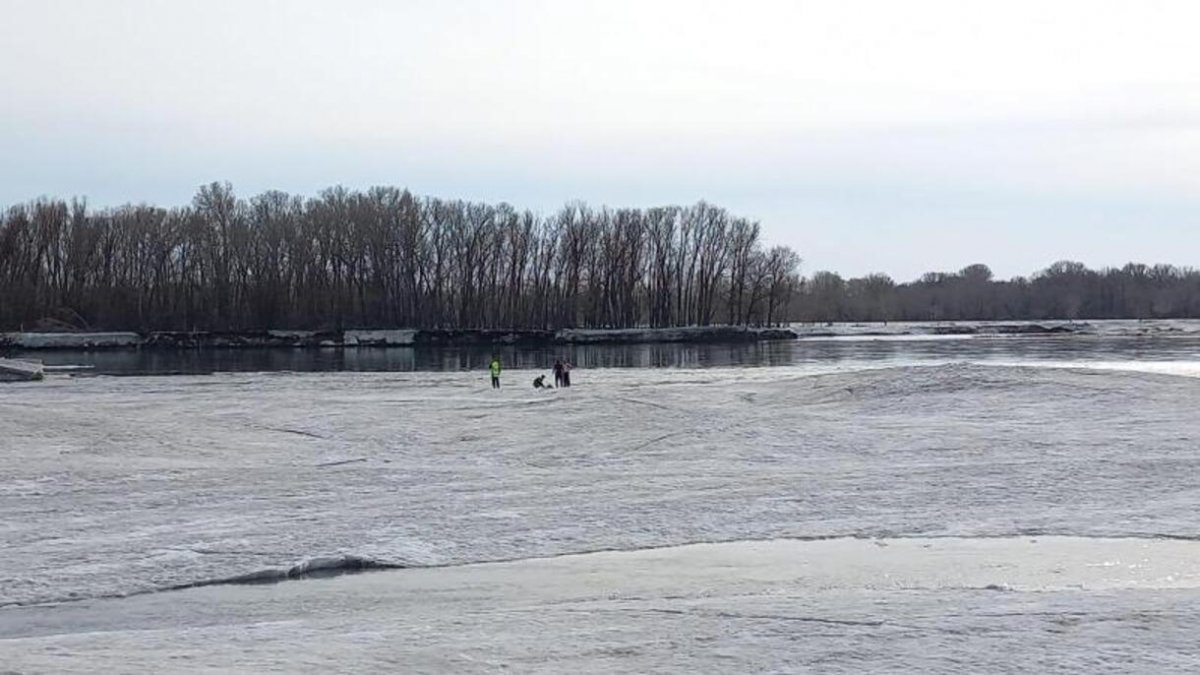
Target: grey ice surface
113 487
898 605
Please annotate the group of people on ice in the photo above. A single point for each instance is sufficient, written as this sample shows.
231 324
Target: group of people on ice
562 375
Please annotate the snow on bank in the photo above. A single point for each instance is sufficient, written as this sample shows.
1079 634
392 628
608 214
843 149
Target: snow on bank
911 605
932 330
75 340
687 334
691 334
380 338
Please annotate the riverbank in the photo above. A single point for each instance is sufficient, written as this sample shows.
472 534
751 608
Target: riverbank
392 338
537 338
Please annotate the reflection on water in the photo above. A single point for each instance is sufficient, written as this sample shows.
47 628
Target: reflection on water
783 353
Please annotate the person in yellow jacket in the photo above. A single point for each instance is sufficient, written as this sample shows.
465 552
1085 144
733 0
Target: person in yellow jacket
495 368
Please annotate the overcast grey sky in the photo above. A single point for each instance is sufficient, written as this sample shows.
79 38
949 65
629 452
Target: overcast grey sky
870 135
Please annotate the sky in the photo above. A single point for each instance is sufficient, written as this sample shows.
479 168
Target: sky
868 135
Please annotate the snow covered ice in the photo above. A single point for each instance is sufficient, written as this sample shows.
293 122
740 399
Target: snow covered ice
948 517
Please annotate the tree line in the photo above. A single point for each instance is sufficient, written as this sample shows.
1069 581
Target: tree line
383 258
386 258
1064 290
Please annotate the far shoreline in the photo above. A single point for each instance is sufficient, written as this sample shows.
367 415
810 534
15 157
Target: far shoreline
722 334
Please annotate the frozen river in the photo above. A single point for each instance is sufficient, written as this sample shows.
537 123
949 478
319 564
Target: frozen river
927 511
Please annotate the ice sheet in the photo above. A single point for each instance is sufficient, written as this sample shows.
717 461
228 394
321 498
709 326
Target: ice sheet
113 486
1046 604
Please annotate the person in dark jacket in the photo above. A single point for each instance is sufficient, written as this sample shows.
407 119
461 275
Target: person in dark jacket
558 372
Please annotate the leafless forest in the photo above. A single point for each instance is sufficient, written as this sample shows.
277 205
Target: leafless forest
1064 290
387 258
383 258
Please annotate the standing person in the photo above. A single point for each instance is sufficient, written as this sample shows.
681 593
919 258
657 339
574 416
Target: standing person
495 369
558 372
566 378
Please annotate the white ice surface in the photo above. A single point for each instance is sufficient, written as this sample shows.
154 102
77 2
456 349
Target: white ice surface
119 486
21 369
1180 367
1045 603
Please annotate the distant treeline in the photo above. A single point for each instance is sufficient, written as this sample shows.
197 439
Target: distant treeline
383 258
387 258
1065 290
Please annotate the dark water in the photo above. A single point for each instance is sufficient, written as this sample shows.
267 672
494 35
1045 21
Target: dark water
782 353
